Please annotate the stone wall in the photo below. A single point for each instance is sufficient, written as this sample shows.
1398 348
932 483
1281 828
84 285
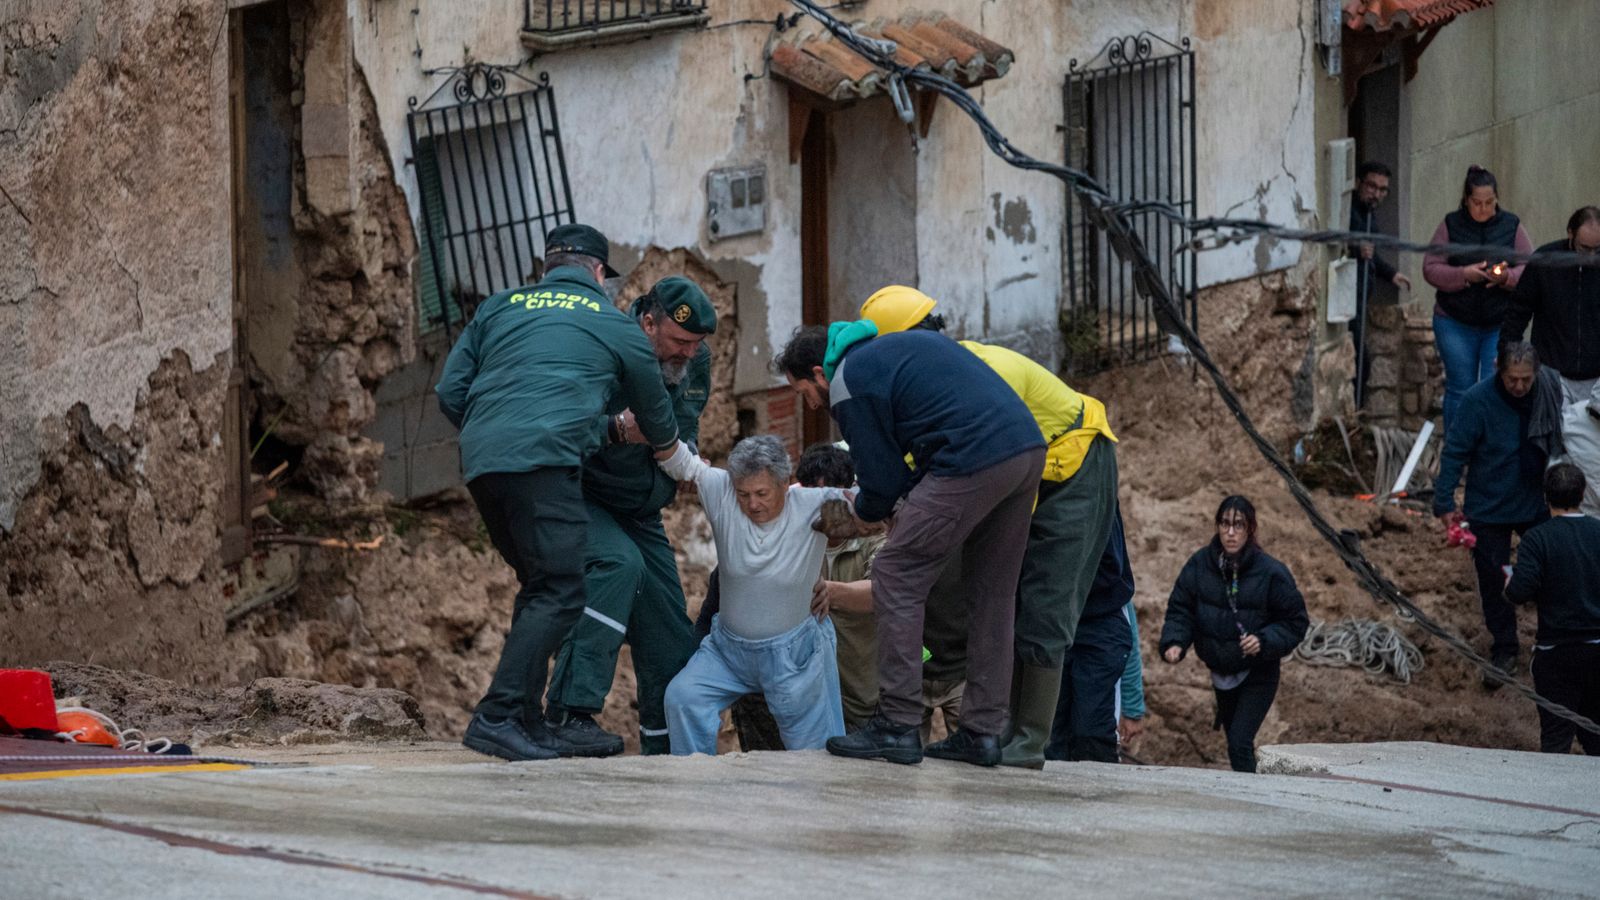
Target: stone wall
1407 376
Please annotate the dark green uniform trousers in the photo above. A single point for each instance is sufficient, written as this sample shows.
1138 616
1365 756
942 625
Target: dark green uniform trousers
536 521
631 582
1070 527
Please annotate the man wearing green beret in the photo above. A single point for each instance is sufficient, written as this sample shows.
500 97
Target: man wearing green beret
528 383
630 574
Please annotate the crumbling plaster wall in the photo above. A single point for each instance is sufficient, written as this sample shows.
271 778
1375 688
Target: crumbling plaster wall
114 207
988 237
349 320
115 315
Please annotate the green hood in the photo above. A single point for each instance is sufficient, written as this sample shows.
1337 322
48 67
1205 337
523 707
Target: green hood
841 337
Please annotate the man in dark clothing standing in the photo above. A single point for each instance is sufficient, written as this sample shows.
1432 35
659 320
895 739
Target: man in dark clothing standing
631 574
978 458
1558 570
527 383
1372 188
1085 726
1489 439
1564 305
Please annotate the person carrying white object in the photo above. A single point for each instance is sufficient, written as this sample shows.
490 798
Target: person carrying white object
766 638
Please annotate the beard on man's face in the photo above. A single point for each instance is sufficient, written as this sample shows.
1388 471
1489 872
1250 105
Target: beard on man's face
673 372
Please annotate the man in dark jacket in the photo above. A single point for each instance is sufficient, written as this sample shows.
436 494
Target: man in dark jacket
1085 725
1372 188
527 383
978 457
1564 305
631 574
1558 570
1489 439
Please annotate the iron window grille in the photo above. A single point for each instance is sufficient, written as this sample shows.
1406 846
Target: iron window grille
491 181
1130 123
557 17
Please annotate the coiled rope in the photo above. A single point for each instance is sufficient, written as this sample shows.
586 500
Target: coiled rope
1374 646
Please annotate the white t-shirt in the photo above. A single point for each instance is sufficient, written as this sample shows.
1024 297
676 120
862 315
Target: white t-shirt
766 572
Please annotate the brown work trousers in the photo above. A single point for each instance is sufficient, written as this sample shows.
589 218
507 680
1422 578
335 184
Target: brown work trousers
985 517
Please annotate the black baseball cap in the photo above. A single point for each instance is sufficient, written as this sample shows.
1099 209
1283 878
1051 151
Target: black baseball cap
581 239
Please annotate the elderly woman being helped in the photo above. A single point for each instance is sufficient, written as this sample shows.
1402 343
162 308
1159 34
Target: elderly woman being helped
765 639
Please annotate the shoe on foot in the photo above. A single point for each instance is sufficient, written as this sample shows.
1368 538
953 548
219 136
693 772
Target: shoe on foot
968 747
1505 662
577 734
504 738
880 739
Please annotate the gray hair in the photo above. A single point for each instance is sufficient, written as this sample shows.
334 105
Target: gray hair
761 453
1515 353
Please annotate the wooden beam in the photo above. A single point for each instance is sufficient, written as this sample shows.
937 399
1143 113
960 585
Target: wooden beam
799 121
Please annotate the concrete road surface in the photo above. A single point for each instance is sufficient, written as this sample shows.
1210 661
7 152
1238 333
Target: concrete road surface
1385 819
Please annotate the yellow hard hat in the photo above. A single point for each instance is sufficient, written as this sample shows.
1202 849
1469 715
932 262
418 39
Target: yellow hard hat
897 308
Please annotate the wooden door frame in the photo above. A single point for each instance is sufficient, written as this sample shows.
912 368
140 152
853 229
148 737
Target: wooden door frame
816 424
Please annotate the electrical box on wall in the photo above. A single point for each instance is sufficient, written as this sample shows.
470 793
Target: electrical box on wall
736 201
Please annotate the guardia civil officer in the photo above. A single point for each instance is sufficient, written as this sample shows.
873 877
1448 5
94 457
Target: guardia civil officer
527 383
631 574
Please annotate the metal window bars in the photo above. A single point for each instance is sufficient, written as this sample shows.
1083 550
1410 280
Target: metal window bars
558 16
1130 123
491 181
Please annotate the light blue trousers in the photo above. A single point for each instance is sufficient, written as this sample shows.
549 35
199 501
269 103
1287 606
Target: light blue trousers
797 671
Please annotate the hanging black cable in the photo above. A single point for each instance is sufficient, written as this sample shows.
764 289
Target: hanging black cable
1112 218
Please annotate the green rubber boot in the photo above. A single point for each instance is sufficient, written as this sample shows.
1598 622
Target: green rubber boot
1031 717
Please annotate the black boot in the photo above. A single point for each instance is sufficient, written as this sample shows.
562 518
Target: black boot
505 738
969 747
880 739
1505 662
577 734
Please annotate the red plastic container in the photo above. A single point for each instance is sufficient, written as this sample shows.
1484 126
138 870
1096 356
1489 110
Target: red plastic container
26 700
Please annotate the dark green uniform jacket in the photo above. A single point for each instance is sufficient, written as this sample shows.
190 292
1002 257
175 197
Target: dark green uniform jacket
624 478
528 380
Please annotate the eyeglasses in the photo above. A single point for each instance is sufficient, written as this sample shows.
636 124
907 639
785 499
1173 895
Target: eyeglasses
1375 188
1242 527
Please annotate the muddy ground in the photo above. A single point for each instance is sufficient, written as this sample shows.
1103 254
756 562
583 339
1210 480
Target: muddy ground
424 613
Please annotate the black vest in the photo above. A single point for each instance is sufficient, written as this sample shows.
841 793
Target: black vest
1479 305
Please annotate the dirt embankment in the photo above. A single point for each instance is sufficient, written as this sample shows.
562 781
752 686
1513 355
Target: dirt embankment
1181 452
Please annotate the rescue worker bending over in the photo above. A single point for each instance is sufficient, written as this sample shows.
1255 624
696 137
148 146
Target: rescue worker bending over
526 383
978 455
631 574
1067 535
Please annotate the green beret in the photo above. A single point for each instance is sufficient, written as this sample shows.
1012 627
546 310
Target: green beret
682 301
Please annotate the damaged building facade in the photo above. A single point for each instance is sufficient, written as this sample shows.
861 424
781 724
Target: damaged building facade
243 235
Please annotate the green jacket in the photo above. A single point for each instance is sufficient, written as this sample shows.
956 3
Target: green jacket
528 379
624 478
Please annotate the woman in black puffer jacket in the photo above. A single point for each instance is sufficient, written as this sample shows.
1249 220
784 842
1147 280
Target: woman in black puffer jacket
1241 611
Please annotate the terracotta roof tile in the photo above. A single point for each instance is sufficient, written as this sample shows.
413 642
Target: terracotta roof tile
1406 15
822 66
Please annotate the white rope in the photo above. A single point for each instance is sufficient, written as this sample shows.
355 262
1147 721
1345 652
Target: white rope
127 739
1374 646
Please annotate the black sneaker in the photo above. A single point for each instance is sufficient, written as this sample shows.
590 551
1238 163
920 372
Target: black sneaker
1505 662
577 734
504 738
969 747
880 739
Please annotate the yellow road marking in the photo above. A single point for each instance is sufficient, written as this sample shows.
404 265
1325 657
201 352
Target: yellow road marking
122 770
